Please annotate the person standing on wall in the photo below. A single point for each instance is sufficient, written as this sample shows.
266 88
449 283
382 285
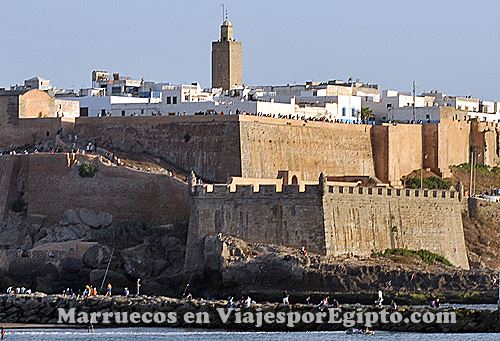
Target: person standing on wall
138 286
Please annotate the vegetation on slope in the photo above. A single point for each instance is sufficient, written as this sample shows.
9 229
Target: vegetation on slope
87 170
486 177
425 255
432 182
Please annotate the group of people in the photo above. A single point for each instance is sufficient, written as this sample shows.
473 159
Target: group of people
298 117
18 291
90 291
244 302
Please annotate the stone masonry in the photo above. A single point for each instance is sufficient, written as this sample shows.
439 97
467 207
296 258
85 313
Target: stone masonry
329 220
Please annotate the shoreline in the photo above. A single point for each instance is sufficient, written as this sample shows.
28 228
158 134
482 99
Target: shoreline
40 311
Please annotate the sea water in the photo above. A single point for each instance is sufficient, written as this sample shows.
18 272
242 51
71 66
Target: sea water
139 334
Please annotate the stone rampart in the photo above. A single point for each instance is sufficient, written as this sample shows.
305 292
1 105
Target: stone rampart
362 220
209 145
269 145
333 221
28 131
217 147
51 185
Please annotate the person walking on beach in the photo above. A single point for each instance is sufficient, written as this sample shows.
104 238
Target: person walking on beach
108 291
286 297
3 333
138 286
380 298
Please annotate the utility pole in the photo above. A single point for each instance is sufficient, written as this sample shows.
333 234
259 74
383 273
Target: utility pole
471 170
475 172
413 92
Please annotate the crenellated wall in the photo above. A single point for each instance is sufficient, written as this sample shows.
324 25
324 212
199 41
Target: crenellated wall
288 217
361 220
333 221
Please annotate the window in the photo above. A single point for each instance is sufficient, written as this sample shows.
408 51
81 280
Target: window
343 111
353 112
427 117
174 99
123 112
169 101
142 111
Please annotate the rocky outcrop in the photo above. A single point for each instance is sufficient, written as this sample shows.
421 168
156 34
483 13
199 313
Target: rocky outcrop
76 252
241 266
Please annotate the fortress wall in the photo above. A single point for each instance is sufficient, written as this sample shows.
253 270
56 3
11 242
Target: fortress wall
217 147
7 167
430 137
486 140
361 220
344 220
380 142
404 151
54 186
289 218
453 145
209 145
28 131
269 145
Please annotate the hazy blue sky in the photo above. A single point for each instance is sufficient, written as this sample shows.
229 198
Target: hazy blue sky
449 45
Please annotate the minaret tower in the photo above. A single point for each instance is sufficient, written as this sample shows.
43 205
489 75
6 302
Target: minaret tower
226 59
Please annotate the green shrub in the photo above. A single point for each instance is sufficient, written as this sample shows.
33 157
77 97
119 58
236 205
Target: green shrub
424 255
18 205
87 170
430 183
483 168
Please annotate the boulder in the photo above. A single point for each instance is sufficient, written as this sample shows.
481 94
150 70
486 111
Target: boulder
70 265
63 234
95 220
136 261
70 217
96 256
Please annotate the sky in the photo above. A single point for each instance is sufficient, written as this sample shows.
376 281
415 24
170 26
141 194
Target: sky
451 46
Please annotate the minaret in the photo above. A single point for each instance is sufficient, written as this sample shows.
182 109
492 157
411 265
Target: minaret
226 59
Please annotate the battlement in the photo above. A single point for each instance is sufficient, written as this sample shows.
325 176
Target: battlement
255 190
395 192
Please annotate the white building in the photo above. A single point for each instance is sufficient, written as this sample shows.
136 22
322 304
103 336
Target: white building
38 83
97 106
173 94
395 105
117 85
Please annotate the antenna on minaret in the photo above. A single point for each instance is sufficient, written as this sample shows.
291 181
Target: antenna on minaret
223 12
